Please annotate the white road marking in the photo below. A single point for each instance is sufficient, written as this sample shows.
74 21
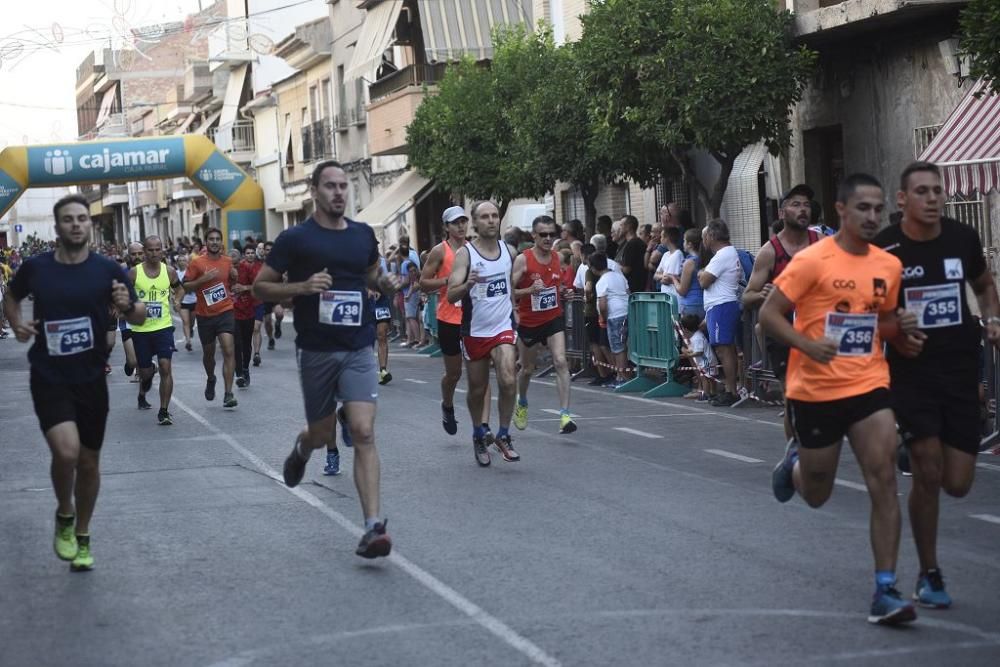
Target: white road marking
557 413
988 466
850 485
989 518
461 391
415 381
641 434
489 622
735 457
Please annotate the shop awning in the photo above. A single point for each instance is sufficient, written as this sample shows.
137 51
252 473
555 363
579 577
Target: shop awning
454 28
234 90
967 147
376 35
405 192
741 204
208 124
106 103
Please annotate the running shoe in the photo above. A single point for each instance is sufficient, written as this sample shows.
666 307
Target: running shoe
228 400
187 346
595 381
84 560
724 400
129 369
295 466
241 381
506 448
611 381
164 417
930 591
332 463
520 416
143 403
375 543
782 483
210 389
270 343
566 424
277 328
246 377
903 460
65 538
889 608
448 420
384 377
256 359
345 428
480 452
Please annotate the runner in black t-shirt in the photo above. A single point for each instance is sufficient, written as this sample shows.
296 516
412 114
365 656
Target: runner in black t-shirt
331 262
935 390
73 292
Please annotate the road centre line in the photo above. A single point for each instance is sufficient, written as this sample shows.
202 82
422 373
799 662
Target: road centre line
619 417
735 457
641 434
989 518
490 623
414 381
558 413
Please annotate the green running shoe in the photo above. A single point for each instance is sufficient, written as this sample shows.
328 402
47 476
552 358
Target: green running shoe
65 539
84 560
521 416
566 424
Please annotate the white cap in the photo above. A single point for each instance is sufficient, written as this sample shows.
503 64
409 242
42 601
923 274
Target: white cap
453 213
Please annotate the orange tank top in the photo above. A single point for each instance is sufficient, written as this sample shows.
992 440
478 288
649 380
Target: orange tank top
446 311
537 309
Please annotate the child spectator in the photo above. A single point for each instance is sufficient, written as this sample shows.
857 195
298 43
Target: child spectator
698 353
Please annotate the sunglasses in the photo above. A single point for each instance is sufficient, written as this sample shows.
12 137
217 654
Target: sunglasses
547 235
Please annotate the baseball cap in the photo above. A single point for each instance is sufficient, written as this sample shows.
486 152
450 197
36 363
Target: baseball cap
800 189
453 213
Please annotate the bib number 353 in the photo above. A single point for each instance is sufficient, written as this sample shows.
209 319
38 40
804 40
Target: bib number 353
67 337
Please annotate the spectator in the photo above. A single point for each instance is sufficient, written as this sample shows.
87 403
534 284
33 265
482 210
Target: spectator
688 288
585 283
669 215
411 304
576 248
698 353
632 254
721 282
572 231
668 273
567 274
655 248
605 227
513 237
612 307
406 255
600 244
645 233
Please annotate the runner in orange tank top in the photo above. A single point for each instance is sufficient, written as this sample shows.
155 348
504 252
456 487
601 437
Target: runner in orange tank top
537 278
844 294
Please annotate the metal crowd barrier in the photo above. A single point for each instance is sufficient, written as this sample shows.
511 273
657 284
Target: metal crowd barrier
577 344
431 324
652 344
758 377
990 442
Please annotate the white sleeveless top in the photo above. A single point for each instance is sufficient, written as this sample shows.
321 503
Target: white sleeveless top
487 309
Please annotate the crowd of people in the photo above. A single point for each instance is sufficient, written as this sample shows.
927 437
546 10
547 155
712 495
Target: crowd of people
856 320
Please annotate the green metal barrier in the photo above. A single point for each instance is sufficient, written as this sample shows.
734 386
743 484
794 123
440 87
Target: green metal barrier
652 343
431 324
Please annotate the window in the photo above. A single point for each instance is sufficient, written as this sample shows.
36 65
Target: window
313 105
326 99
307 152
341 97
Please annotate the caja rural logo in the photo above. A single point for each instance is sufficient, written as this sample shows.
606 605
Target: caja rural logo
59 161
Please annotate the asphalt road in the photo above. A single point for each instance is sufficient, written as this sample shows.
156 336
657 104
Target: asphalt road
650 536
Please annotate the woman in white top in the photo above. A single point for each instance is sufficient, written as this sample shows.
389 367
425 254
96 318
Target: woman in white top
668 272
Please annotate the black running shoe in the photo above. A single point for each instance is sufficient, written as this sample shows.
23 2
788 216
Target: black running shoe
129 369
270 343
256 359
448 420
240 382
229 401
187 346
277 328
375 543
210 389
480 452
143 403
164 418
596 381
295 467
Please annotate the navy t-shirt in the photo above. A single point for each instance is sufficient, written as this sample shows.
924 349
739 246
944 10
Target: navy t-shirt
342 317
73 308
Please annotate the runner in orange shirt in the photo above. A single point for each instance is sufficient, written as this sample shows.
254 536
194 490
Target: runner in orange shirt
211 277
844 293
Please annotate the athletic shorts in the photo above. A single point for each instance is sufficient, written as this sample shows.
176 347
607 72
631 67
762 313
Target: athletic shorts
331 376
777 356
188 306
258 312
210 327
149 344
723 323
86 404
617 333
821 424
532 336
450 338
383 309
475 348
944 403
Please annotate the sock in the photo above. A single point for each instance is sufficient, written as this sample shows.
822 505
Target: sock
370 522
885 578
523 402
448 408
65 518
564 412
478 432
382 369
332 450
83 540
486 427
501 432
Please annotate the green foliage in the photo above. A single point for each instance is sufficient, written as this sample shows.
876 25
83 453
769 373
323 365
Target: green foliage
674 75
980 22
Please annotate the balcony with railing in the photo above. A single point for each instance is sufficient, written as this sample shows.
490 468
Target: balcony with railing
411 75
394 102
235 139
317 141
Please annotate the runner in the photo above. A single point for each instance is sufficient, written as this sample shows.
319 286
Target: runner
537 278
843 291
935 394
382 306
154 281
136 255
188 302
483 286
209 276
73 291
771 260
331 261
248 312
272 325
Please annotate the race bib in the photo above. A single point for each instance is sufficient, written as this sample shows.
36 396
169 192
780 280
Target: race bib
67 337
382 313
544 300
492 286
341 309
215 294
853 333
935 306
154 310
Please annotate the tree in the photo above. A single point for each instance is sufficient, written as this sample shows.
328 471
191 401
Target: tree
980 22
670 76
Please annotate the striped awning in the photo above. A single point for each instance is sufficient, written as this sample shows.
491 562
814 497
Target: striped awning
455 28
376 36
967 147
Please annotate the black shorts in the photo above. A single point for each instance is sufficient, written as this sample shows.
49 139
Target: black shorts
85 403
944 404
209 328
383 309
126 335
189 306
821 424
450 338
777 356
159 344
532 336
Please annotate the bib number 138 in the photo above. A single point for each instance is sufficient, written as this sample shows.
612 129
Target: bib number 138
341 308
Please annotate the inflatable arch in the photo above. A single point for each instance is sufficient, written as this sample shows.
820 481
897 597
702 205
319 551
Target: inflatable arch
143 159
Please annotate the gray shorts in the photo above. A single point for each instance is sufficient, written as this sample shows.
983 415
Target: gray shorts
329 377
